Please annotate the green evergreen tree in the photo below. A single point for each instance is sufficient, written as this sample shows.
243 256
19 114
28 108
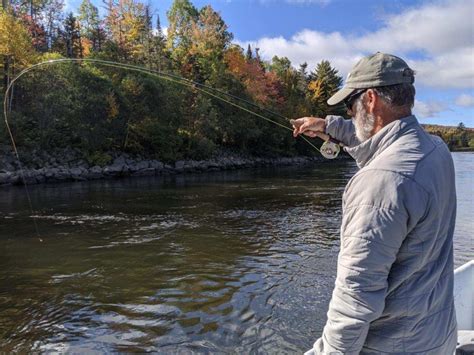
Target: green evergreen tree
72 37
324 82
159 58
249 54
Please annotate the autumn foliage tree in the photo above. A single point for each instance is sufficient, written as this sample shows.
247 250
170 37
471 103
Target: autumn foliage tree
101 108
262 86
15 45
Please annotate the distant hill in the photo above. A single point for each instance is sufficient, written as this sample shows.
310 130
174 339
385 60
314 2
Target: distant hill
438 126
457 138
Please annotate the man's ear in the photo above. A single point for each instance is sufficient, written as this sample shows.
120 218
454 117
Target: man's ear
371 99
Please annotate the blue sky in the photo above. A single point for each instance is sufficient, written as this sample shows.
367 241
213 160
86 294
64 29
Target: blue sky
436 38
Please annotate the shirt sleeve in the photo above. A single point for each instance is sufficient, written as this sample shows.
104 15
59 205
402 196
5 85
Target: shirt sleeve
341 129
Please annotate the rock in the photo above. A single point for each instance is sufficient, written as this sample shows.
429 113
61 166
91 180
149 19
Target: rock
94 173
62 174
5 178
96 169
79 174
15 179
143 165
120 160
114 169
157 165
132 167
212 164
75 172
40 178
191 166
144 172
203 165
83 164
125 170
179 165
49 174
7 167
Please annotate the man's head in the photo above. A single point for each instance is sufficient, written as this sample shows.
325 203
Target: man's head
378 90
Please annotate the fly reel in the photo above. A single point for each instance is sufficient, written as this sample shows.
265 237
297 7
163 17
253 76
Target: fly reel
330 149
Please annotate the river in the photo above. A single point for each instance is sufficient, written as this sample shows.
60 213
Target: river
240 261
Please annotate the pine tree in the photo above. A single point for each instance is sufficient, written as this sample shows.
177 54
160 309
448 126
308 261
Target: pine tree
303 76
158 55
249 54
258 59
72 37
324 82
144 52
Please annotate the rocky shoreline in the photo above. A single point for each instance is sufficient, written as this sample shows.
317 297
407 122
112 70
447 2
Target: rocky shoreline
69 165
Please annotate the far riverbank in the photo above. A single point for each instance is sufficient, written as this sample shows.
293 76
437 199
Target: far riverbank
70 165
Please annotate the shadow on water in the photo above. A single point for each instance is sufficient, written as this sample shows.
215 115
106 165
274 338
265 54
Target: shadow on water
240 261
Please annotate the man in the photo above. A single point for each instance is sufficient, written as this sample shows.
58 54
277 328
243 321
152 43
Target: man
394 286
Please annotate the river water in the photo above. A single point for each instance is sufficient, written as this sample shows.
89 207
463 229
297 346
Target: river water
240 261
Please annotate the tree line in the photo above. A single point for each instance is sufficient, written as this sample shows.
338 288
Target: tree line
100 109
457 138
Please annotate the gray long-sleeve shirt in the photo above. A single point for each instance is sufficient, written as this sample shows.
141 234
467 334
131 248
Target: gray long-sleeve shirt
394 285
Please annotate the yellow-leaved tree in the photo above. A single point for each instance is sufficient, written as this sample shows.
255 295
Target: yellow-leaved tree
16 49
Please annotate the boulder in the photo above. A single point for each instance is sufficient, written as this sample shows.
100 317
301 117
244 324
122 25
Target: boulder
143 165
49 174
94 173
40 178
62 174
113 170
75 172
157 165
5 178
120 160
144 172
179 165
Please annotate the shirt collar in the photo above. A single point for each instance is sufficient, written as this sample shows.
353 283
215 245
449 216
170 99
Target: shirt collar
365 152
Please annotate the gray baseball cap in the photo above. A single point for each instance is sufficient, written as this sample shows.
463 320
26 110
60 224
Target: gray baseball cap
376 70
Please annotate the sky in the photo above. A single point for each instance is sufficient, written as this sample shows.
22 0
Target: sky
435 37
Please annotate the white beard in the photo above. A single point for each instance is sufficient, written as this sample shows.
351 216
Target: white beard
364 122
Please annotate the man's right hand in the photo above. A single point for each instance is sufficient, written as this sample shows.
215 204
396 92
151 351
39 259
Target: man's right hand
309 126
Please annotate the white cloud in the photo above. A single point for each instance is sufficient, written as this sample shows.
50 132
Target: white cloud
164 30
465 100
454 69
310 47
428 109
435 28
442 31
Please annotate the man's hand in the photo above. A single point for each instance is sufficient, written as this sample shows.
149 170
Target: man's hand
309 126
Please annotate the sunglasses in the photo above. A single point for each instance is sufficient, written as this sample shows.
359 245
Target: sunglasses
349 101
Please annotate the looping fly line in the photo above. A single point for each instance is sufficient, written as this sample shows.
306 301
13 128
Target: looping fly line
161 75
329 149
